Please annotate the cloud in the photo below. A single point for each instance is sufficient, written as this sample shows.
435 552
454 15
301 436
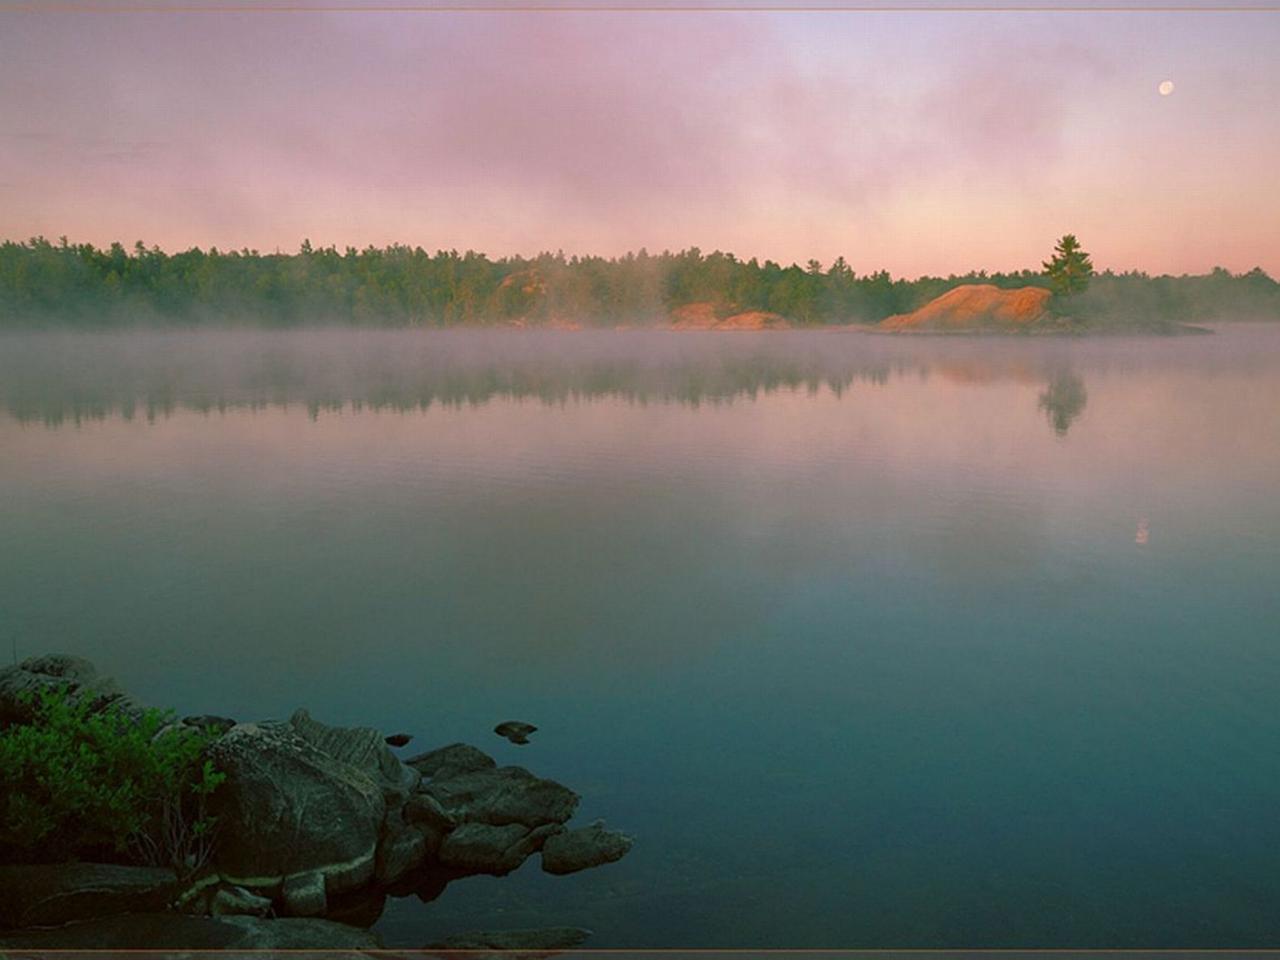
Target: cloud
779 135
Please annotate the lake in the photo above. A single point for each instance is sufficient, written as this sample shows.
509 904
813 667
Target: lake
926 642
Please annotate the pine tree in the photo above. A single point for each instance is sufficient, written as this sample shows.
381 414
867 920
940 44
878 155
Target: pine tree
1070 268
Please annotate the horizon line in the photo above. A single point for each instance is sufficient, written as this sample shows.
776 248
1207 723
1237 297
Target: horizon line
64 242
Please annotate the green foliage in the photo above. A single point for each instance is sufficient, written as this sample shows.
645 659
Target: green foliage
75 782
1069 269
69 285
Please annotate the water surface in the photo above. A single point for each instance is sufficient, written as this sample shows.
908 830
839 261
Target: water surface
870 642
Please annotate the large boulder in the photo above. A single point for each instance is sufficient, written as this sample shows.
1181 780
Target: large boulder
591 846
289 809
361 747
49 895
35 675
502 796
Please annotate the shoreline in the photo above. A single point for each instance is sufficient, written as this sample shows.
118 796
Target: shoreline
311 828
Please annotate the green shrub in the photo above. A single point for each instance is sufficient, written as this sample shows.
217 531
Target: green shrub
105 784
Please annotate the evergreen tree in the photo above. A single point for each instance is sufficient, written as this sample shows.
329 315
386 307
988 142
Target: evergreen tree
1070 268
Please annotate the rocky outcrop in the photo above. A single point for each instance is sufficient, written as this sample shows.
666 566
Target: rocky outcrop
586 847
36 675
705 316
975 306
47 895
312 821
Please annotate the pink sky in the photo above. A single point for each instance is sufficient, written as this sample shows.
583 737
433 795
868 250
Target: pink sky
915 142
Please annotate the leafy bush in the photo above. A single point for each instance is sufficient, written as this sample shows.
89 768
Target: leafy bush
106 784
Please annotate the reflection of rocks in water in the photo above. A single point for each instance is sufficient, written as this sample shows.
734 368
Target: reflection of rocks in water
1063 400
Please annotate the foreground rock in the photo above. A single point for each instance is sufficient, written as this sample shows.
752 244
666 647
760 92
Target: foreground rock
313 821
47 895
580 849
174 931
976 306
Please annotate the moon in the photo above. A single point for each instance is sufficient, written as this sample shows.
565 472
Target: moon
1165 88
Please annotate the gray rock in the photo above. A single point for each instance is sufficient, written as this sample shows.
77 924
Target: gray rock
517 731
35 675
209 722
361 747
402 849
425 809
288 808
177 932
232 901
585 847
299 934
483 848
451 760
51 894
540 941
302 895
502 796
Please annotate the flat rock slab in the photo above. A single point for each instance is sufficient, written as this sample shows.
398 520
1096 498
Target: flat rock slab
538 942
502 796
178 932
575 850
483 848
451 760
47 895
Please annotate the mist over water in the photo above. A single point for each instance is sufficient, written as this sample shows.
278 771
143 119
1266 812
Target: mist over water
927 642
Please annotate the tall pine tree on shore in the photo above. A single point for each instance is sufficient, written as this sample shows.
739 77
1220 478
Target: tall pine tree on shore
1069 269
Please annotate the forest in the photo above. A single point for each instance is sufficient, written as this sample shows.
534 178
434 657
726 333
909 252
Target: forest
61 284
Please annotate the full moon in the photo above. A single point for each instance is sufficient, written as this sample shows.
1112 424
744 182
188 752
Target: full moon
1165 88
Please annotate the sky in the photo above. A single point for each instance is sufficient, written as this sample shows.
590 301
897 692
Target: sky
917 142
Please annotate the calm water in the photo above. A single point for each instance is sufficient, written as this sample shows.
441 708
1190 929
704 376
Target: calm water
856 635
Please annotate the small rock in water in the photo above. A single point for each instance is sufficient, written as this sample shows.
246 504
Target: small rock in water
515 730
399 739
585 847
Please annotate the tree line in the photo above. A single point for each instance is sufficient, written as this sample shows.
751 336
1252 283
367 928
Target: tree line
45 283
